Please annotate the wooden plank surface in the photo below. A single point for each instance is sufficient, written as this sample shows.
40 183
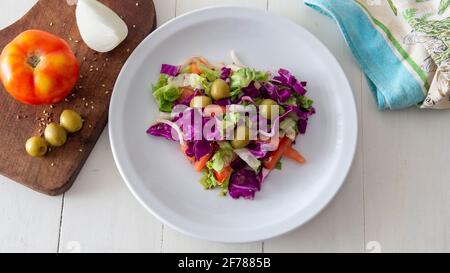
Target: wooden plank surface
55 173
395 198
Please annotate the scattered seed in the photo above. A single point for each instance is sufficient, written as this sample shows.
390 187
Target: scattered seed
90 70
70 38
86 104
17 117
106 59
80 87
103 85
53 164
52 106
81 150
81 76
128 50
95 59
134 26
51 24
106 92
83 98
44 112
90 126
73 95
92 107
137 4
96 69
76 41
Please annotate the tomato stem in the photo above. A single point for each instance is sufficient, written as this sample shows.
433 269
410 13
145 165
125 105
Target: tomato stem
33 61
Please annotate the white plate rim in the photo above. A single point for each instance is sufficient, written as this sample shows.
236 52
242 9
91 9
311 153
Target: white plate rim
316 206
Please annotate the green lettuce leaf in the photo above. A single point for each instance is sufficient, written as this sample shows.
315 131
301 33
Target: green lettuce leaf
208 180
244 76
165 97
222 157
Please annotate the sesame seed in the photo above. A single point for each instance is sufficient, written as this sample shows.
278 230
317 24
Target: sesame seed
70 38
45 111
90 126
51 24
81 76
76 41
92 106
103 85
134 26
128 50
90 70
106 92
137 4
92 102
53 164
52 106
96 69
18 117
83 99
81 150
80 87
86 104
106 59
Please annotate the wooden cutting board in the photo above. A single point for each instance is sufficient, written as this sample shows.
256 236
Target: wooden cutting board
55 173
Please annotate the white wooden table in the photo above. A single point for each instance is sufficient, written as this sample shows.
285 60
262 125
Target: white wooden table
396 197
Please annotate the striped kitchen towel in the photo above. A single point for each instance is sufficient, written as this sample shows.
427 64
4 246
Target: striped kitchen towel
403 47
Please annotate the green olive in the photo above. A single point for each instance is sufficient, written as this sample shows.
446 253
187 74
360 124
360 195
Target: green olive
265 108
200 101
220 89
241 137
71 121
36 146
55 135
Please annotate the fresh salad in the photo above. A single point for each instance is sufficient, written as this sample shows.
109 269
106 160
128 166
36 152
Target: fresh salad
234 123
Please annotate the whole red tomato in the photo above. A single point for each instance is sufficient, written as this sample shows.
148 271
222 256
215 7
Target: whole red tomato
38 68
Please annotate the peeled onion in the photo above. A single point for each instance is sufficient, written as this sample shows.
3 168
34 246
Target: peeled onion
100 27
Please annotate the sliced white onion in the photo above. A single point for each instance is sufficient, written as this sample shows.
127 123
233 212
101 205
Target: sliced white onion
235 59
164 115
175 127
100 27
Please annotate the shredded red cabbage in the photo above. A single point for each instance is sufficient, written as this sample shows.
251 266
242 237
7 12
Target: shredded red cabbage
225 73
287 79
256 149
161 130
244 183
170 70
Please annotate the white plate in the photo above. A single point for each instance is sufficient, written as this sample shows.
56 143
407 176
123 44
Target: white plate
160 177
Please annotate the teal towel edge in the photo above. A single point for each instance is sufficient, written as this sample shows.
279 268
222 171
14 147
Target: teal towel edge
393 86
